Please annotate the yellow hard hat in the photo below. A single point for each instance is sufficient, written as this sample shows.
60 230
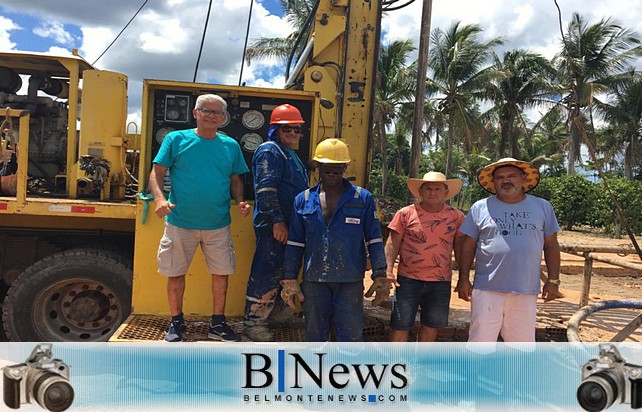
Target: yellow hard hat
332 151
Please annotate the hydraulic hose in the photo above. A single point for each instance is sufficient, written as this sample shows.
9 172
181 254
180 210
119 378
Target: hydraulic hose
573 328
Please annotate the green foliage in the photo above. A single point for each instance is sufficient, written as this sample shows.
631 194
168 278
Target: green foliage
470 194
573 198
397 188
545 189
576 200
579 202
629 195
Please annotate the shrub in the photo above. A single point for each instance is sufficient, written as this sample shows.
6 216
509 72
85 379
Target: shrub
397 188
573 198
629 195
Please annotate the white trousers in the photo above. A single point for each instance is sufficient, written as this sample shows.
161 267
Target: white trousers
511 314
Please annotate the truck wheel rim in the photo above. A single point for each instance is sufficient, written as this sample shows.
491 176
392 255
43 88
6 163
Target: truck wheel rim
77 310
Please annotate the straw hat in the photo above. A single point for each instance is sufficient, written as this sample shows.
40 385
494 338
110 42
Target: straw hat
531 174
454 185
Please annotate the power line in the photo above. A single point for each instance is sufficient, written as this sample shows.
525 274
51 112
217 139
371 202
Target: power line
247 34
121 32
200 50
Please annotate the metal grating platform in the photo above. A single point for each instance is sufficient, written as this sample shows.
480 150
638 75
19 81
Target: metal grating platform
551 334
145 328
138 328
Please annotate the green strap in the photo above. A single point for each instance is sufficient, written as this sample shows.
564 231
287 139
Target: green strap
146 197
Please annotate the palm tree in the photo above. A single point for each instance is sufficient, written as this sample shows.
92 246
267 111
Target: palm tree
546 148
435 121
457 57
394 86
525 83
280 48
401 147
591 57
624 114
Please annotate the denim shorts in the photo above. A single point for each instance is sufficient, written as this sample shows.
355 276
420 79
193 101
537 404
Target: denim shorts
411 294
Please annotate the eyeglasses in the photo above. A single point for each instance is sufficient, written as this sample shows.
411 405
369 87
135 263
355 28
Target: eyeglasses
207 112
288 129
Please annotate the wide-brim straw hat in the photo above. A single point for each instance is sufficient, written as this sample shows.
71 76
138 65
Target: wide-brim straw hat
531 174
454 185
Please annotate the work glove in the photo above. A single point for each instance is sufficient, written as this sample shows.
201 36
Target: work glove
291 294
381 289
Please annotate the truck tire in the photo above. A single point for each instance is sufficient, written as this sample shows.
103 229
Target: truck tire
79 295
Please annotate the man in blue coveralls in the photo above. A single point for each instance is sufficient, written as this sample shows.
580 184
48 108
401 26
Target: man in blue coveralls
330 228
279 175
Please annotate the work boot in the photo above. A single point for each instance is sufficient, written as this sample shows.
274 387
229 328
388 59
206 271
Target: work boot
259 333
283 315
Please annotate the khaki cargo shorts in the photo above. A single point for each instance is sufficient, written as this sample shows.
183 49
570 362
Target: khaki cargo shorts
178 245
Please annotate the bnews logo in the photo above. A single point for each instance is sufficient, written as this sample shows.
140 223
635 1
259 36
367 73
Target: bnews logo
292 372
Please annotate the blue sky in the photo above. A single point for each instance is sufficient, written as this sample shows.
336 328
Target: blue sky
163 41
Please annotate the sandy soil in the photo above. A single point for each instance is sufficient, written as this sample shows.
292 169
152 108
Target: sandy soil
608 282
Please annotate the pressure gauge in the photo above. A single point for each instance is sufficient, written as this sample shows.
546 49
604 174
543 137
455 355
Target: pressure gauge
172 114
253 119
250 141
225 121
161 133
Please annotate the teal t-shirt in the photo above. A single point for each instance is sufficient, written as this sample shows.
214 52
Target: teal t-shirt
200 170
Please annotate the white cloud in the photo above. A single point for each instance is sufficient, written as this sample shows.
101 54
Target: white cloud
163 41
6 27
58 51
163 35
94 41
54 31
524 16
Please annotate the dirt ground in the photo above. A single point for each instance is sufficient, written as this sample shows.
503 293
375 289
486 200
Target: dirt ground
608 282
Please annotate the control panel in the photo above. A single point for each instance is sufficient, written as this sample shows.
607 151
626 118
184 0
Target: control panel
247 121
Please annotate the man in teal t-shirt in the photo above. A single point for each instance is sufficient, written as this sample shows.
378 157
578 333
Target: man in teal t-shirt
204 168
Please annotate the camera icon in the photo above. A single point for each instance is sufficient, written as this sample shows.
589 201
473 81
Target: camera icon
609 379
41 379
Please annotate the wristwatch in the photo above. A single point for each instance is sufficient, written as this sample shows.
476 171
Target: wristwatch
554 281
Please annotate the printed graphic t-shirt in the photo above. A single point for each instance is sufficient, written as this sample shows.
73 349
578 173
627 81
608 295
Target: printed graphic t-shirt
427 241
510 241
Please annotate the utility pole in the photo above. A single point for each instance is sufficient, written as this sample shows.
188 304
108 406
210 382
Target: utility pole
422 68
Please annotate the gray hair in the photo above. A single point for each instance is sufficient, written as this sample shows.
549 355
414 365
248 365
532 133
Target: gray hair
210 98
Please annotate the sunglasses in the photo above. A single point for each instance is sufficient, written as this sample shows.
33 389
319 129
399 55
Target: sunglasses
331 171
288 129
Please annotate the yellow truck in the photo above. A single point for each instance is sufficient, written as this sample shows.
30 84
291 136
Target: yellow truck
78 235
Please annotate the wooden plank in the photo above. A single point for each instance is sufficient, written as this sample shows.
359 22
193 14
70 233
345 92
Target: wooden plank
581 248
586 281
628 329
616 261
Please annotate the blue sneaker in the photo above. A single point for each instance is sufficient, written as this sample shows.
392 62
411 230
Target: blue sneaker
175 331
223 332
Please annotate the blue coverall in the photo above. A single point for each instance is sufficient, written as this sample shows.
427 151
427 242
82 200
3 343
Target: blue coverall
279 175
334 260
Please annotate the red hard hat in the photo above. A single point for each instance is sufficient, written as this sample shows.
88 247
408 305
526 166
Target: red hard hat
286 114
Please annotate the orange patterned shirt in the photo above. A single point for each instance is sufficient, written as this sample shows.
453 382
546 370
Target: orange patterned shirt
427 241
